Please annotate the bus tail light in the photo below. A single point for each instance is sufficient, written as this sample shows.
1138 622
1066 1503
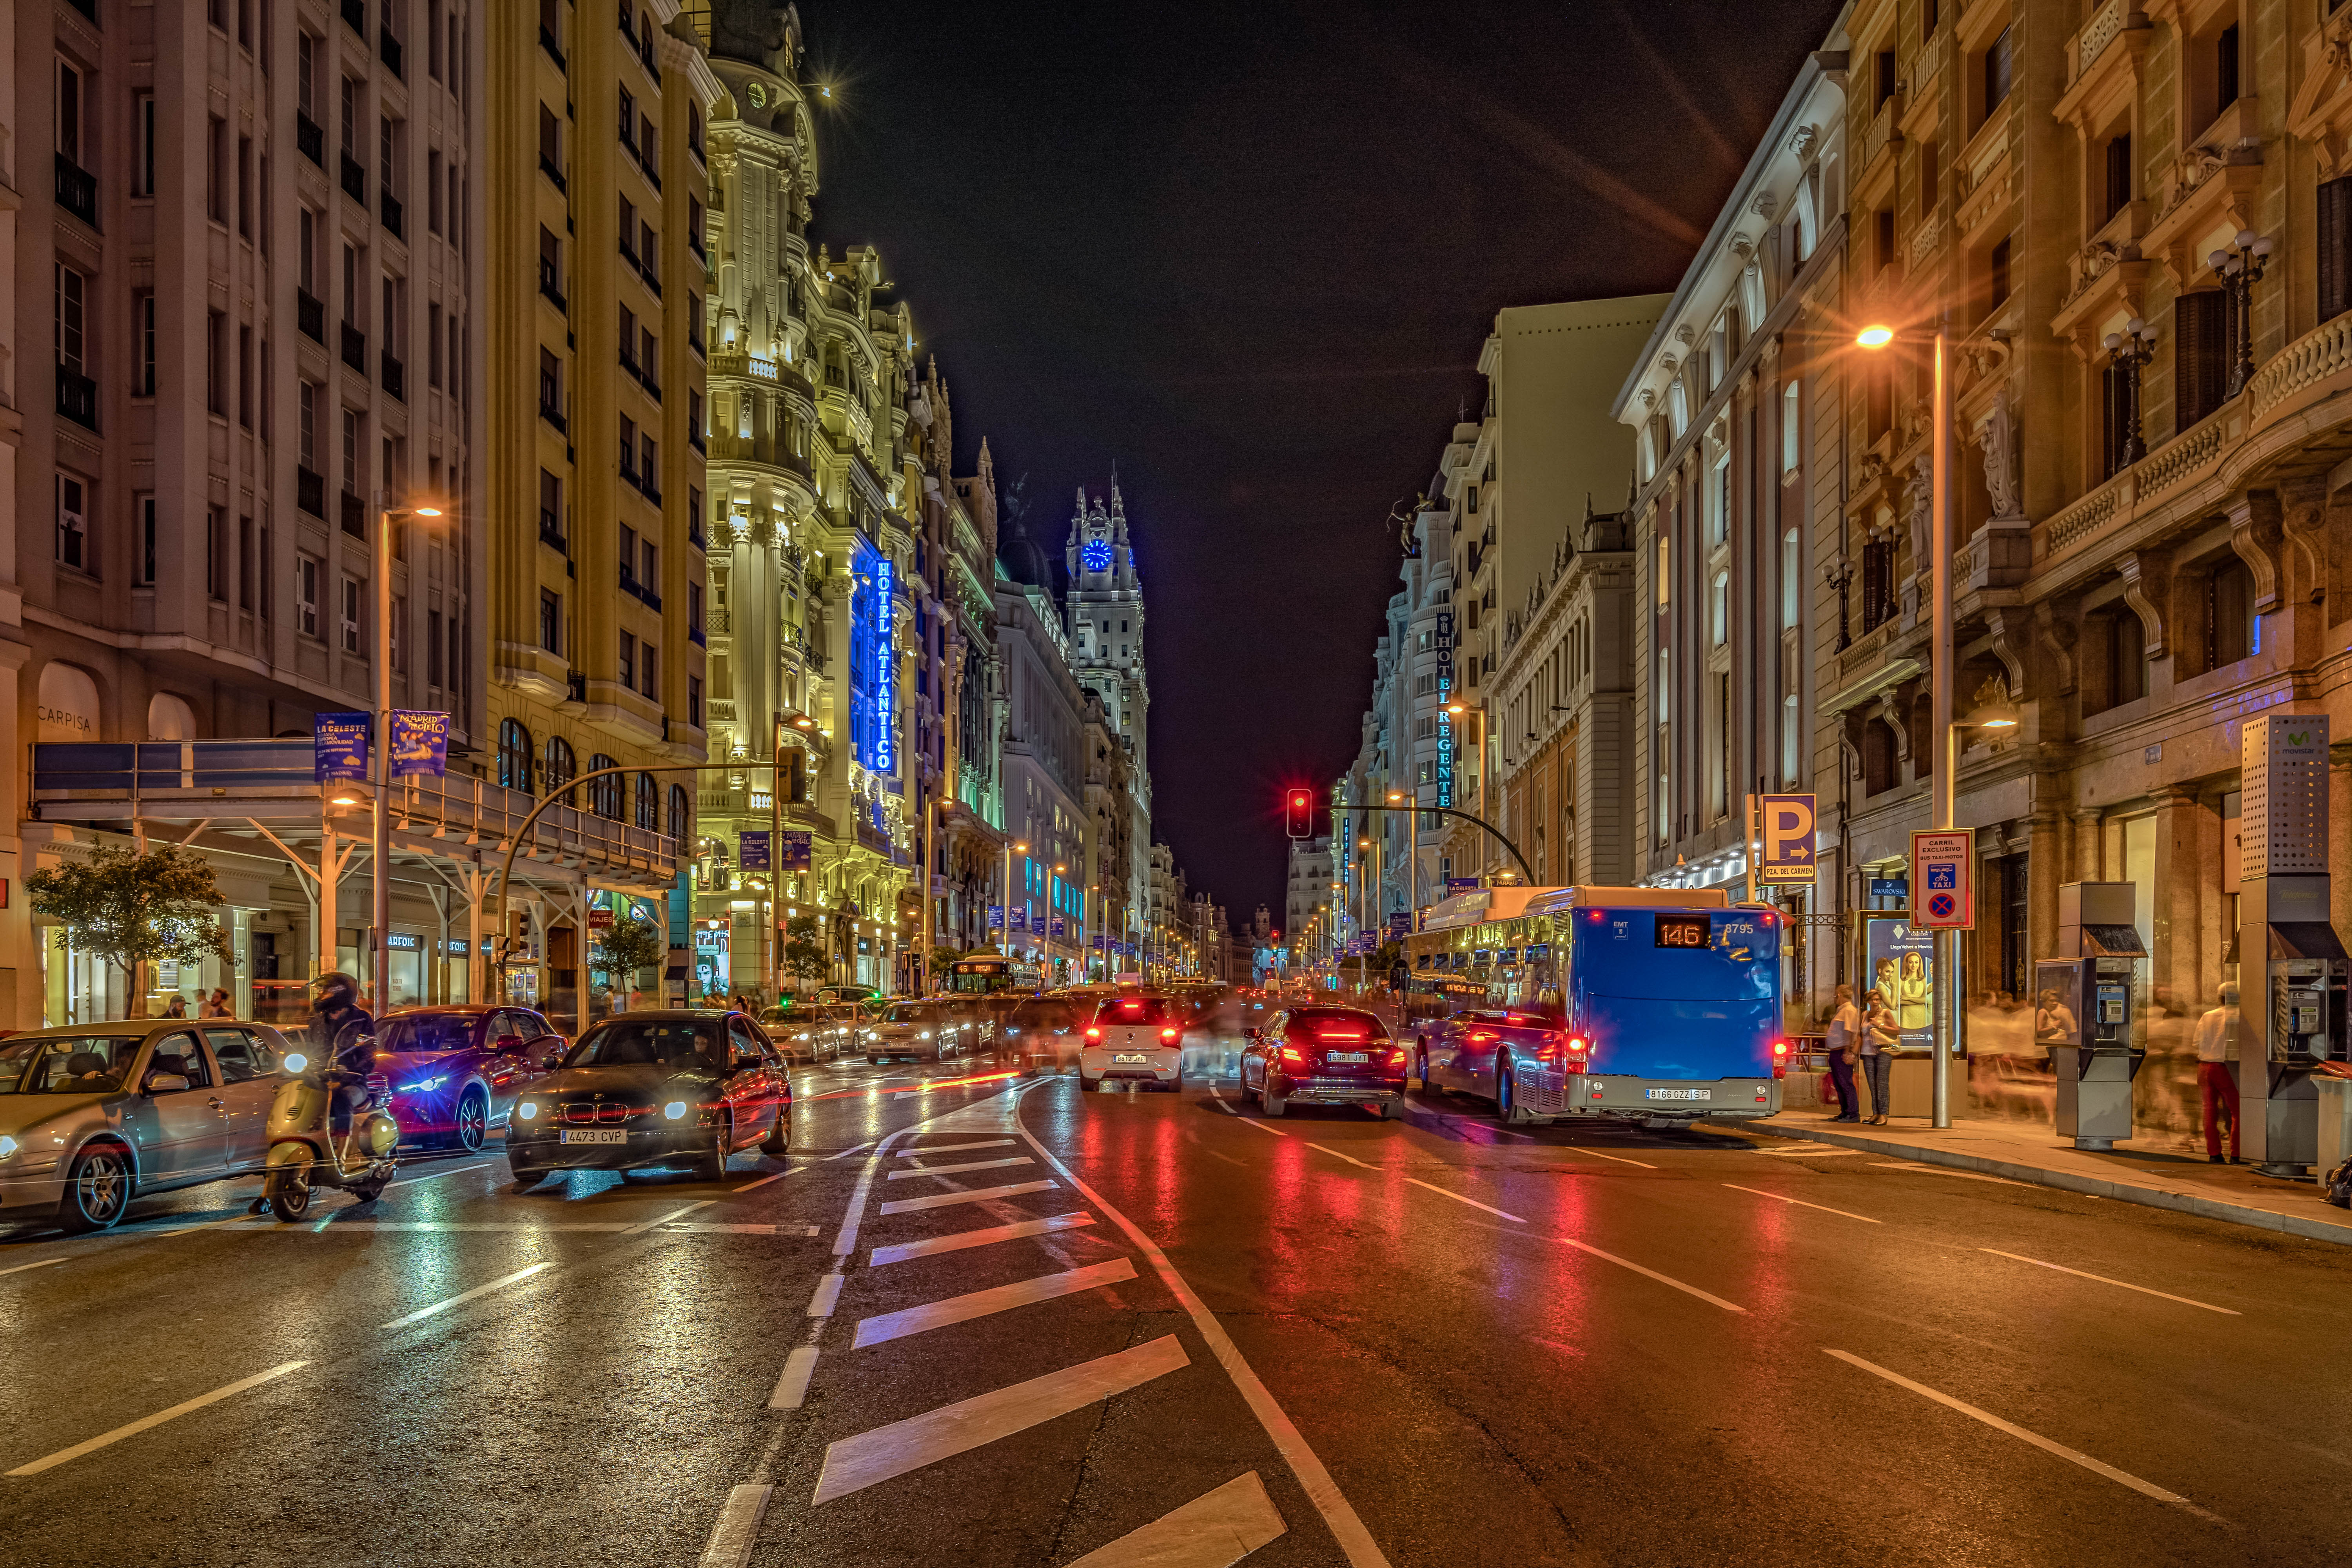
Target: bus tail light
1779 1058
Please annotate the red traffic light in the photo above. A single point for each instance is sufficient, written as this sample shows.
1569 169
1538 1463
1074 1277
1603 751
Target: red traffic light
1298 813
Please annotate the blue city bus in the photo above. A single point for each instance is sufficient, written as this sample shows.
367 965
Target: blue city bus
1655 1004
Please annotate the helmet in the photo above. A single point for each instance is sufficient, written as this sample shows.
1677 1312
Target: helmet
334 991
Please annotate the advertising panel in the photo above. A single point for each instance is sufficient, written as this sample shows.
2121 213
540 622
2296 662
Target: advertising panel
1899 964
339 747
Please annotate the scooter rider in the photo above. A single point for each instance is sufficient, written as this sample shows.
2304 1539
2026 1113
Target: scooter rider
342 1034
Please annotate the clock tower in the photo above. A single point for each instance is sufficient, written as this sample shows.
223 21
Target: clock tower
1105 612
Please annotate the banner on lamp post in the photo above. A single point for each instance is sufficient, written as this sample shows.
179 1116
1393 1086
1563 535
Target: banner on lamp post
420 743
339 747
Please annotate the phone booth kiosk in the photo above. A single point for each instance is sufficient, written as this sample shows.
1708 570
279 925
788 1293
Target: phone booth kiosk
2085 1011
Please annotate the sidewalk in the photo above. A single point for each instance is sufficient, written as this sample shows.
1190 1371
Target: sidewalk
2185 1184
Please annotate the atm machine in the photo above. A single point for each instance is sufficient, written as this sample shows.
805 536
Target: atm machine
2083 1012
2291 968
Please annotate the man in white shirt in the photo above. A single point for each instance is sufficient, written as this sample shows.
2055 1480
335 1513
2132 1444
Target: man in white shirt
2217 1071
1844 1040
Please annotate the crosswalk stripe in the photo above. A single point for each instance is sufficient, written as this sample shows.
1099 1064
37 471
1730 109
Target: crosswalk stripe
913 1171
962 1309
737 1528
1215 1530
954 1148
964 1239
942 1200
856 1463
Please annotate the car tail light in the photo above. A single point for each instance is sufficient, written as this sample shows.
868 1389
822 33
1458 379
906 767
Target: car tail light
1396 1056
1480 1036
1093 1034
1343 1033
1169 1036
1292 1055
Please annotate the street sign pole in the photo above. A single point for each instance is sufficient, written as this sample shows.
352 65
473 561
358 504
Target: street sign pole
1943 900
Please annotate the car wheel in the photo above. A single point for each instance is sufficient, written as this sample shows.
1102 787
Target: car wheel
1276 1104
473 1121
98 1191
713 1164
1507 1108
779 1141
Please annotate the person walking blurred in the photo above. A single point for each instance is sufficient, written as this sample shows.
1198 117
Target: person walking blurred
2217 1072
1845 1050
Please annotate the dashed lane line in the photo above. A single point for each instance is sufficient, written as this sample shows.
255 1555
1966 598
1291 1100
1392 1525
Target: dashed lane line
827 1297
956 1148
846 1153
899 1325
981 1194
673 1215
792 1388
1782 1198
2120 1285
966 1238
133 1428
1603 1154
1944 1171
737 1529
1474 1202
437 1308
1349 1158
1652 1273
2072 1456
911 1172
44 1263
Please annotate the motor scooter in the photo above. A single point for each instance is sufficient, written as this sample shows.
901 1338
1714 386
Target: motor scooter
307 1151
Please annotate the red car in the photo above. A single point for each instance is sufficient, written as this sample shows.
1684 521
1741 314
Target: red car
455 1071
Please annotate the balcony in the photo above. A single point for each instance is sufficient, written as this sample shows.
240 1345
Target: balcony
354 179
554 51
311 315
355 16
77 190
546 166
311 492
554 417
310 139
548 286
551 535
354 348
354 516
77 396
396 376
389 48
392 214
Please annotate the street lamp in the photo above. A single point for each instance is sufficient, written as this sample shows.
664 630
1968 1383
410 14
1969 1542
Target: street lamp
1005 892
1463 709
1939 567
1412 850
2240 267
380 871
2131 350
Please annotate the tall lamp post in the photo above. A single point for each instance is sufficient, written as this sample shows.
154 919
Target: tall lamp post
1462 710
2240 267
380 869
1412 856
1005 892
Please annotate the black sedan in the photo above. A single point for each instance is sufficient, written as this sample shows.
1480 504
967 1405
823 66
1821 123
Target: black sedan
1324 1056
661 1088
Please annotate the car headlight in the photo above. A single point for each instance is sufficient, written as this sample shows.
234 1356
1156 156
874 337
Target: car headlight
528 1111
675 1110
925 1034
8 1147
296 1061
426 1086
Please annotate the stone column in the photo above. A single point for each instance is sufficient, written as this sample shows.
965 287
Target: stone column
2089 848
2182 872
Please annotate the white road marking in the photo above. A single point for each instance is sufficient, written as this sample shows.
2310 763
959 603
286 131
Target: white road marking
764 1181
956 1148
1215 1530
844 1241
1339 1515
961 1239
1349 1158
1458 1198
1945 1171
962 1309
913 1171
1652 1273
2144 1488
1228 1109
724 1227
517 1278
943 1200
827 1297
1253 1121
855 1463
213 1223
737 1529
453 1171
1778 1198
793 1387
44 1263
526 1227
2079 1274
133 1428
1580 1149
675 1213
1810 1152
846 1153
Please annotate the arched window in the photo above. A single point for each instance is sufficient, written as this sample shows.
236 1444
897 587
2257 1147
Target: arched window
649 802
514 755
680 816
607 797
561 767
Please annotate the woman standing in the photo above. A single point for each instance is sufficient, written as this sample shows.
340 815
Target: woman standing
1881 1037
1845 1050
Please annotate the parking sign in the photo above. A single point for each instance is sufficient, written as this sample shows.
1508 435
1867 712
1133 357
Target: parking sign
1940 872
1784 827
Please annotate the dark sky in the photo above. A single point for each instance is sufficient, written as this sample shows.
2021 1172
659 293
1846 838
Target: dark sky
1249 254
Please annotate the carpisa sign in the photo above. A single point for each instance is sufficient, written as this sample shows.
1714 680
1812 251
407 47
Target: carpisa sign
1942 895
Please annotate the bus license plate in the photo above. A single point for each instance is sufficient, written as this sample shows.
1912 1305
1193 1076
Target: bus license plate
1346 1057
614 1136
1122 1061
1681 1094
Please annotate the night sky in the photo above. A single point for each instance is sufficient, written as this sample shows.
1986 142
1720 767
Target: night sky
1249 254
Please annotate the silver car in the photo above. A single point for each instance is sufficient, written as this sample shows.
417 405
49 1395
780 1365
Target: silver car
94 1115
919 1030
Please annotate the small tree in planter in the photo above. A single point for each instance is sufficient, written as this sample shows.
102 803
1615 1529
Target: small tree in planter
631 944
802 956
132 909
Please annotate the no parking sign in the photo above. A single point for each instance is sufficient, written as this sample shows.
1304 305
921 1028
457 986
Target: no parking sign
1943 896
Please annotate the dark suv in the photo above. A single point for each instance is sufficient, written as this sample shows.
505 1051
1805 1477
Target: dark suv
1324 1056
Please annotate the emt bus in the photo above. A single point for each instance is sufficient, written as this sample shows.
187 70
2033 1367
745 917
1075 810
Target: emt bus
1655 1004
993 975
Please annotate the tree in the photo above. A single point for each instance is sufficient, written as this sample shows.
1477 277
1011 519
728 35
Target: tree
132 909
802 956
631 944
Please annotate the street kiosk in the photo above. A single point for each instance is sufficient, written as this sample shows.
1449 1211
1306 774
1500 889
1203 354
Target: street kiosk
2291 1016
2083 1012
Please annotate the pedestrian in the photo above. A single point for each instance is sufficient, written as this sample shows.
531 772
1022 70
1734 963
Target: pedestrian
1845 1050
1881 1039
216 1006
177 1007
2217 1072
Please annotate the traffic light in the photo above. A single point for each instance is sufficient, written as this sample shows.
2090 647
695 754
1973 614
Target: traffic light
1298 813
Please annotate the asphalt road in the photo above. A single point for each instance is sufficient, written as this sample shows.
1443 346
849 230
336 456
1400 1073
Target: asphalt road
1002 1324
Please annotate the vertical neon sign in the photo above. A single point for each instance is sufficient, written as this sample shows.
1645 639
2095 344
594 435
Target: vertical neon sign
885 671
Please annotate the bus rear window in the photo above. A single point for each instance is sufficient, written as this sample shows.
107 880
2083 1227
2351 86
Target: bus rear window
1682 930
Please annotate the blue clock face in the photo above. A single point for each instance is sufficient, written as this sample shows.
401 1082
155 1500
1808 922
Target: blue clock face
1096 556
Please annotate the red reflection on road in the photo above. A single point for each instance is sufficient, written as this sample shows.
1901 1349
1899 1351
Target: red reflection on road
911 1089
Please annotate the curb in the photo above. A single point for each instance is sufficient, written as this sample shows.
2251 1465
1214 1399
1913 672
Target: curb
2035 1175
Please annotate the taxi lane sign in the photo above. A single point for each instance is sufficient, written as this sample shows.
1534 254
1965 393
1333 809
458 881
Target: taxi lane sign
1941 865
1784 825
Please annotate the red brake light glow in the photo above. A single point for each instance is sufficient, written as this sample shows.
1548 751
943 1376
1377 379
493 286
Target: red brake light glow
1093 1032
1341 1032
1290 1054
1779 1048
1481 1036
1169 1036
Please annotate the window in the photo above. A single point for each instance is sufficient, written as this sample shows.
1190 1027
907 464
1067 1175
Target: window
649 671
1882 248
305 416
1878 772
306 595
142 152
70 109
1884 80
215 556
142 328
73 524
550 385
626 665
1792 427
2225 68
550 509
694 701
1665 571
604 795
562 767
1792 580
433 663
1997 275
397 633
628 448
1718 500
433 191
2126 657
2334 267
550 621
649 802
2119 175
2232 631
1930 179
693 609
142 523
2200 356
628 555
351 608
551 266
71 321
514 755
648 564
2118 408
680 817
628 120
1718 610
1997 73
216 169
245 563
